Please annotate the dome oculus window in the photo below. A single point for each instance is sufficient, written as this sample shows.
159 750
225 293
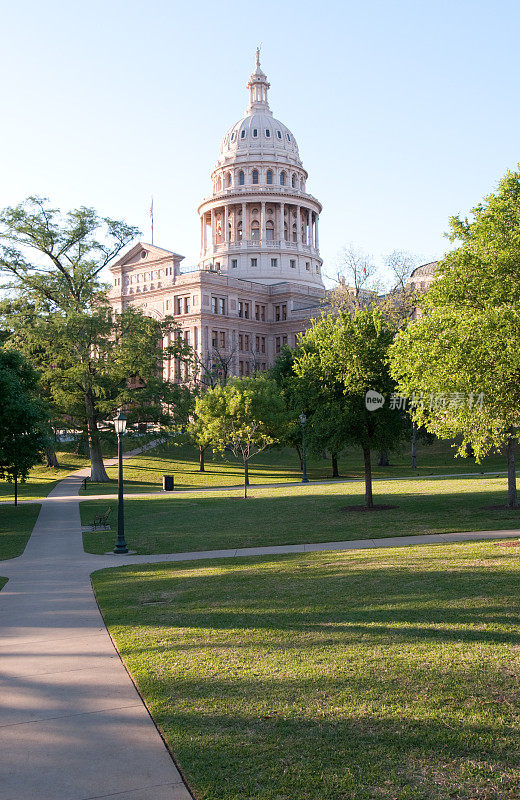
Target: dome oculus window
255 132
268 133
233 136
288 138
279 134
242 134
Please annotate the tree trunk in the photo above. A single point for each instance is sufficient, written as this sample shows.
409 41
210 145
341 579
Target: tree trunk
201 459
51 459
335 470
368 478
414 445
512 500
298 450
97 468
246 478
383 459
16 487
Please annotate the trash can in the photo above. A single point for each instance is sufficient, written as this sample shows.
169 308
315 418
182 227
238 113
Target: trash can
167 483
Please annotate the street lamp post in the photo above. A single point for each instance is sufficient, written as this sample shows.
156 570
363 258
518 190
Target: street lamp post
303 420
120 427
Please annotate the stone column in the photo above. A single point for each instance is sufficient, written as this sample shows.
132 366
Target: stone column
298 225
282 221
262 221
226 224
310 237
205 230
317 243
213 232
244 223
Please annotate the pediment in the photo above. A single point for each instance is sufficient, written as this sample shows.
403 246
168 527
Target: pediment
141 253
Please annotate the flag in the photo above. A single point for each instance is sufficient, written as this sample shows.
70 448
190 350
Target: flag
151 217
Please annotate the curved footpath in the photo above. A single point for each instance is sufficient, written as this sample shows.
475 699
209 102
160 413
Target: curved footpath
72 725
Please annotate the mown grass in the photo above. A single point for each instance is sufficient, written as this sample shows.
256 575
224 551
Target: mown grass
144 473
361 675
16 524
298 514
42 479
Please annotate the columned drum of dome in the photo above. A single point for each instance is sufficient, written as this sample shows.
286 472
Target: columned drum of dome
260 223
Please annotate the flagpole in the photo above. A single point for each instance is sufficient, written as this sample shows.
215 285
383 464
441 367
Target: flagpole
151 217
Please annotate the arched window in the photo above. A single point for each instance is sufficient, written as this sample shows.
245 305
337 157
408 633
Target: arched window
241 178
255 176
219 184
243 134
268 133
279 134
255 231
293 181
302 184
255 132
282 178
269 176
228 179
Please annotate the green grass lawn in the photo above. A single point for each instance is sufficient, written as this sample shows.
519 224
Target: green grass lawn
16 525
42 479
3 581
296 514
144 473
363 675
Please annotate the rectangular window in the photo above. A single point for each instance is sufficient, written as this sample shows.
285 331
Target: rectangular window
274 262
246 342
240 342
254 262
187 337
178 305
243 309
240 369
284 312
262 344
260 313
214 305
240 308
257 344
221 305
246 368
167 305
307 266
277 316
269 234
278 344
234 263
293 263
187 305
214 338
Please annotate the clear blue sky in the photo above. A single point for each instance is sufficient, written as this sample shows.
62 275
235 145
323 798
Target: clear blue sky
405 112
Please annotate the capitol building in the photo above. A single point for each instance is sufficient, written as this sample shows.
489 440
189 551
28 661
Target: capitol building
258 282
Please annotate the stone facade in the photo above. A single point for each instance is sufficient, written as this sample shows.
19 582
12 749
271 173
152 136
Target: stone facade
258 283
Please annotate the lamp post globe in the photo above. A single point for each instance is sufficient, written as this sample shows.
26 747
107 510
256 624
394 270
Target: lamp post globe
120 427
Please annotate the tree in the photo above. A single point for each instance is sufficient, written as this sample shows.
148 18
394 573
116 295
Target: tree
460 361
245 416
348 354
92 364
323 405
91 361
357 286
23 419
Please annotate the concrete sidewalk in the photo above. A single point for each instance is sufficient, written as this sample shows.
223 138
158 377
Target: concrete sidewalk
72 725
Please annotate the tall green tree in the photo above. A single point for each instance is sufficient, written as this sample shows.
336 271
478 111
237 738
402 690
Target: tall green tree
348 354
92 361
23 419
246 415
460 361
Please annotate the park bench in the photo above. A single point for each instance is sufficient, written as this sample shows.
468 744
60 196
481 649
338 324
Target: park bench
101 520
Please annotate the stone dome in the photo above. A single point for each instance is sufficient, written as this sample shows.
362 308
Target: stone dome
259 134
